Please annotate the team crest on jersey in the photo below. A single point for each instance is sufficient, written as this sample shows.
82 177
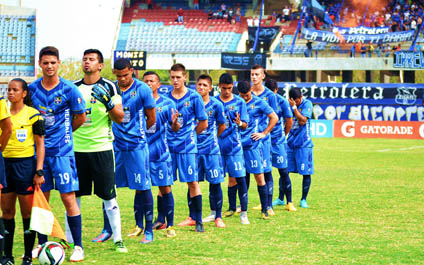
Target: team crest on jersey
133 93
92 100
79 100
252 106
159 109
266 98
210 113
57 100
231 107
187 103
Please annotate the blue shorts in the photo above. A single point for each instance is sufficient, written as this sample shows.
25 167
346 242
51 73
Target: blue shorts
234 165
254 161
211 166
2 173
20 174
161 173
279 156
132 169
300 161
186 165
60 173
266 155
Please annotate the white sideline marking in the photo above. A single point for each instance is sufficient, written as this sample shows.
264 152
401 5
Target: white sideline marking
402 149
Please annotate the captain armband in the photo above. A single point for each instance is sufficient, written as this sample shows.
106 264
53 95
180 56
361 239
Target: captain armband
39 128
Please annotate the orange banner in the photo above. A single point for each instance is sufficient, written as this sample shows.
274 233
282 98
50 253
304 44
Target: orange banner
379 129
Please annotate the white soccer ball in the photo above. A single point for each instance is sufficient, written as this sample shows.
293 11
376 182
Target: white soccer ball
51 253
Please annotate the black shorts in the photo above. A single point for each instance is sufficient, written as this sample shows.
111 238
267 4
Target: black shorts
97 167
19 175
2 173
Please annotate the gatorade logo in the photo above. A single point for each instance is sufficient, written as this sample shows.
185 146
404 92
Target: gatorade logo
348 129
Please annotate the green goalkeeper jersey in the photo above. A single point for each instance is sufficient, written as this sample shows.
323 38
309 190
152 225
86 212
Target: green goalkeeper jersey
95 135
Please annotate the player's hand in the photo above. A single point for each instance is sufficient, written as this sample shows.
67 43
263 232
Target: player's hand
292 102
101 93
257 136
174 116
38 180
237 119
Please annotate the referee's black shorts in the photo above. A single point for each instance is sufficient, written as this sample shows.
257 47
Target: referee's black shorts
97 168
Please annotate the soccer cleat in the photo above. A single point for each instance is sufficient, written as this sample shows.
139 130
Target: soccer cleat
147 238
258 207
66 245
270 212
278 202
303 204
77 254
170 232
102 237
290 207
187 222
136 231
244 220
264 215
26 261
35 251
158 225
199 227
8 261
219 223
229 213
209 219
120 247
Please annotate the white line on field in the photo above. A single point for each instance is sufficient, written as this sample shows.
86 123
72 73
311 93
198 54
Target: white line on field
402 149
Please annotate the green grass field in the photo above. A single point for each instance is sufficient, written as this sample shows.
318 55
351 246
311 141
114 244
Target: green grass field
366 207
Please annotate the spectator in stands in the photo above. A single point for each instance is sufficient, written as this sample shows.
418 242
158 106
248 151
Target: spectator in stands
149 4
308 52
387 50
215 14
379 49
281 41
238 15
210 15
353 50
363 49
286 13
196 4
180 15
370 50
223 8
230 14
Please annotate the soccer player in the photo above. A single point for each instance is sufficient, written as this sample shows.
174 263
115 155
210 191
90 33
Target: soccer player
6 132
231 147
299 142
258 111
130 145
159 156
183 144
209 161
93 142
63 109
257 76
23 170
278 140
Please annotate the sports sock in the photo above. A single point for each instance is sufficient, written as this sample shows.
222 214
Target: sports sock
42 238
306 184
169 208
280 185
247 178
29 237
232 197
269 180
263 196
1 237
106 224
138 210
212 202
216 191
147 198
197 207
242 193
114 215
9 233
75 227
190 206
160 205
285 184
67 229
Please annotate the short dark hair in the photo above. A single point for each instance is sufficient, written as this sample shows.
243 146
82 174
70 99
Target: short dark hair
295 93
243 86
178 67
151 73
122 63
99 54
205 76
49 50
271 84
257 66
24 85
226 78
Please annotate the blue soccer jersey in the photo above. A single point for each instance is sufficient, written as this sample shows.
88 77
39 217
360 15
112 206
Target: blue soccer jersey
300 135
230 139
190 108
271 99
131 133
258 110
57 106
278 135
156 135
207 141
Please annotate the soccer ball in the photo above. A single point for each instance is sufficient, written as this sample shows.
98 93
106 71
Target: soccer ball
51 253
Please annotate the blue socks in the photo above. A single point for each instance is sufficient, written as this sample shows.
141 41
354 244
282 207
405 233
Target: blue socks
197 208
285 185
147 199
242 189
106 223
305 186
161 212
263 196
138 210
269 182
232 197
215 192
75 227
247 178
168 204
212 202
190 206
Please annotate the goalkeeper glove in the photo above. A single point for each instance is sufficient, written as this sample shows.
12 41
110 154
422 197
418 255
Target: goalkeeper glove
100 93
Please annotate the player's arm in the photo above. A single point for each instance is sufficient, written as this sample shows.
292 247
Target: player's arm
273 119
113 103
300 118
78 120
117 114
221 128
151 116
288 123
175 125
39 131
6 132
241 124
201 126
